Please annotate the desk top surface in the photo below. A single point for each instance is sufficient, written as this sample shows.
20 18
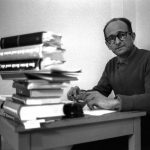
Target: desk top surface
87 119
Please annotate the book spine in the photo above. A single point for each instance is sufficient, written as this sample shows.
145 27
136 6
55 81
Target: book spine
21 40
21 53
47 38
23 92
19 99
12 108
20 65
8 116
31 52
19 85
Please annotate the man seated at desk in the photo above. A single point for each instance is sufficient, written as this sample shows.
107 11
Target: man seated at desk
127 74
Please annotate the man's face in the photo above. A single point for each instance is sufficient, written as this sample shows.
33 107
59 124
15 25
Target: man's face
121 40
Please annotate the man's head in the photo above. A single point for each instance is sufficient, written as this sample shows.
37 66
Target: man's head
119 36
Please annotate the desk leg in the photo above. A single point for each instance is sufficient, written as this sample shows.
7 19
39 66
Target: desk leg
0 142
135 139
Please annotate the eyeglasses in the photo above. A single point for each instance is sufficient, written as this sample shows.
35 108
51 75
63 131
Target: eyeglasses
121 36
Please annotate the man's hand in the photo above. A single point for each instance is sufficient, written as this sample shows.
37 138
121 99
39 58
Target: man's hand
93 99
96 100
75 94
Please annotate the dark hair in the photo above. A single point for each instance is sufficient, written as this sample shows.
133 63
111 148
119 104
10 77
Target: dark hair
125 20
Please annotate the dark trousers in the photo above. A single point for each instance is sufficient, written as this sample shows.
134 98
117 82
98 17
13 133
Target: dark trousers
120 143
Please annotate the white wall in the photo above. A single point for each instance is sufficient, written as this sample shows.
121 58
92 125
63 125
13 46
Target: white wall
80 22
143 23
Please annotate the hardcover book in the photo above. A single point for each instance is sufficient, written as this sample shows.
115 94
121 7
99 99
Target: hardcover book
38 85
45 37
40 92
36 100
32 112
31 52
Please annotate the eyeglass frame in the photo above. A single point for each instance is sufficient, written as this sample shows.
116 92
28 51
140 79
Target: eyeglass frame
117 36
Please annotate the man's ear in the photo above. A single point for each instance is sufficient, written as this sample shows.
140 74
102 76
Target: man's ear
107 45
133 35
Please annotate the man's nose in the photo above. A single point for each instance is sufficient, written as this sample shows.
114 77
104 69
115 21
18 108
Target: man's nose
117 40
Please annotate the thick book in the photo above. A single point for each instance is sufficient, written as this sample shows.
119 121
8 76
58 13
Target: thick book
32 112
31 52
36 100
45 37
40 92
39 85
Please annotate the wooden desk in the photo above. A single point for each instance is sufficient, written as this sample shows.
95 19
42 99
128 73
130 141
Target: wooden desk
73 131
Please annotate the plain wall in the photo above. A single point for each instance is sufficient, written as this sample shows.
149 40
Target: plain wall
81 24
143 23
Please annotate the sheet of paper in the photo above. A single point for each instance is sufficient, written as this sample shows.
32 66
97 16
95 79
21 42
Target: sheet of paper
30 124
98 112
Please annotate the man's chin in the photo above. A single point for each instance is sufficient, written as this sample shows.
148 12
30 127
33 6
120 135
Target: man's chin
121 52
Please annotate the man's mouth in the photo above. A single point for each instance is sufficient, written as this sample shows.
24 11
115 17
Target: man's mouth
119 48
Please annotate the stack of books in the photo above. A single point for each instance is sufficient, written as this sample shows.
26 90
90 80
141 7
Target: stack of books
38 92
35 63
32 51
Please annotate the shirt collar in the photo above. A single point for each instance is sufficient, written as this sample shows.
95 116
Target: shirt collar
126 60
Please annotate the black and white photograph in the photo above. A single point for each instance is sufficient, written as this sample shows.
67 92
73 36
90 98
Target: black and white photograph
74 74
